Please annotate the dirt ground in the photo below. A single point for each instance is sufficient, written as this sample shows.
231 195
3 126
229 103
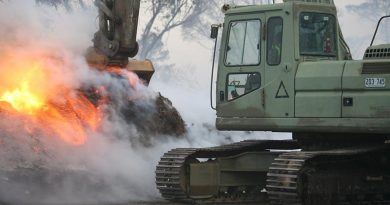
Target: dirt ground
151 203
160 203
167 203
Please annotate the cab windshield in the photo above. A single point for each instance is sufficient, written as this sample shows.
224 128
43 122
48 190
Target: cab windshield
317 34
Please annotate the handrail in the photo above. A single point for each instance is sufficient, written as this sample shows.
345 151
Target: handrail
377 26
213 66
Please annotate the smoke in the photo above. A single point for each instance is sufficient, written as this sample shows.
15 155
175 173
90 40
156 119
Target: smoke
113 165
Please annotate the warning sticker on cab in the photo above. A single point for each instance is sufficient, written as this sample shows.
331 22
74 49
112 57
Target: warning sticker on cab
375 82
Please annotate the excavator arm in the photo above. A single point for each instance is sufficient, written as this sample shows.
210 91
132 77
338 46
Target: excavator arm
115 41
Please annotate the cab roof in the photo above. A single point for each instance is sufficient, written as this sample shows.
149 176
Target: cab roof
288 5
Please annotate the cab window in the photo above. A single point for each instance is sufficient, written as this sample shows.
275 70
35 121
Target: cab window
274 41
240 84
243 46
317 34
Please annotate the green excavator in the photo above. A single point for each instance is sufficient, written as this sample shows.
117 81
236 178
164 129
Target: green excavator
286 68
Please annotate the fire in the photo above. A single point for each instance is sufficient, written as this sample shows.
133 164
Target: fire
28 87
22 98
132 78
70 120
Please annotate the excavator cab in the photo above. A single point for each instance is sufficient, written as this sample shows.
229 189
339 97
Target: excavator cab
305 80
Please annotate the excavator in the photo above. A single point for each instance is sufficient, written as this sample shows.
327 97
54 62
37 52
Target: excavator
286 67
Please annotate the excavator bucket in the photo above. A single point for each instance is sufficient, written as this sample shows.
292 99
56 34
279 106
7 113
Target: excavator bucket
143 68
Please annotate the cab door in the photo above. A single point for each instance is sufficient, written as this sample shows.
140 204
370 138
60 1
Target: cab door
279 72
241 67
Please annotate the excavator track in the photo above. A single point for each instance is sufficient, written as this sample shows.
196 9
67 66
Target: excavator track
289 173
168 174
171 179
283 177
293 178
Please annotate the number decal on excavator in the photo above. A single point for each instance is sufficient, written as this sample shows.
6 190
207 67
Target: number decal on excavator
375 82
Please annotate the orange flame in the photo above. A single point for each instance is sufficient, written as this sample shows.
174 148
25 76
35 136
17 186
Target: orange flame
22 97
132 78
27 87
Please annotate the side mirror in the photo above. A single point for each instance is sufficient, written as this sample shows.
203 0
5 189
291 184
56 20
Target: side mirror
214 31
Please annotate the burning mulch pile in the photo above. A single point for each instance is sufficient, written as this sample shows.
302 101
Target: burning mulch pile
70 133
164 120
169 120
51 128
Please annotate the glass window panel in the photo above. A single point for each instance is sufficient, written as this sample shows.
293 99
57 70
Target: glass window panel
274 41
241 84
317 34
243 43
251 49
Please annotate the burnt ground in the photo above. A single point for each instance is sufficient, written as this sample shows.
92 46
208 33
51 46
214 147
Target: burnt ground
168 203
150 203
130 203
147 203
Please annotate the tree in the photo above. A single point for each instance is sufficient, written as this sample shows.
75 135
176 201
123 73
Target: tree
199 28
163 16
166 15
194 17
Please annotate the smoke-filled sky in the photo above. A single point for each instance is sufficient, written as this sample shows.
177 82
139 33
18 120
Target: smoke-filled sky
127 169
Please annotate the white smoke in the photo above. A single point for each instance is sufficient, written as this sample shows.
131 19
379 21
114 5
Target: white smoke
112 166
